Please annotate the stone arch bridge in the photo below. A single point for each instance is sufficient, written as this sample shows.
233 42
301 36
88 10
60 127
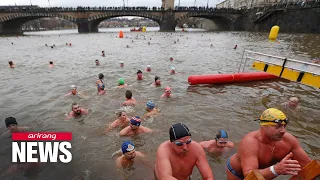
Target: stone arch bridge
89 19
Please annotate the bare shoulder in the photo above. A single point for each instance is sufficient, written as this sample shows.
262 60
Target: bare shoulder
205 144
163 148
140 154
197 148
289 138
249 140
124 131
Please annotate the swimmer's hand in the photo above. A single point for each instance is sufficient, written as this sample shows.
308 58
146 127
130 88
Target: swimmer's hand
287 166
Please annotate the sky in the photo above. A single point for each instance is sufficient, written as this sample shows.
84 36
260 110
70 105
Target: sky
74 3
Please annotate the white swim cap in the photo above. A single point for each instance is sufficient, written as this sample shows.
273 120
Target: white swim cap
121 62
73 86
148 66
173 68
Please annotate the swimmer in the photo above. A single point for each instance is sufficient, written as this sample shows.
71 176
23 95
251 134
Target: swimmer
171 58
129 156
12 126
157 81
121 64
270 150
46 45
97 62
167 93
139 75
173 70
293 103
76 111
174 42
235 47
102 53
51 65
51 47
11 64
219 144
121 83
134 128
70 44
66 44
131 101
151 110
148 43
122 121
127 46
177 158
99 81
54 45
74 92
211 45
316 61
148 68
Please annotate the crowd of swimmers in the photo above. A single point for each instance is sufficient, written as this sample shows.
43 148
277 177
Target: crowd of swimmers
270 149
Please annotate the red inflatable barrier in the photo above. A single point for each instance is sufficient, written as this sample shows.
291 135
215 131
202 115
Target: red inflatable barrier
229 78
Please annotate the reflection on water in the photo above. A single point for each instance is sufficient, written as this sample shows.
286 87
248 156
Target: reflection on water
33 93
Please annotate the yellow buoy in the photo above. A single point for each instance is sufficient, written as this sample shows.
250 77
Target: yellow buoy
144 29
274 33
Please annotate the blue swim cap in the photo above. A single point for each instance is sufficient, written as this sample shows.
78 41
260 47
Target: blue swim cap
127 146
150 105
222 134
135 121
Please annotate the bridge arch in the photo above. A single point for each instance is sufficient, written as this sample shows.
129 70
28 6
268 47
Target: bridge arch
222 20
11 24
95 20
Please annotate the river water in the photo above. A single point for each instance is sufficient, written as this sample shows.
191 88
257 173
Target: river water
32 93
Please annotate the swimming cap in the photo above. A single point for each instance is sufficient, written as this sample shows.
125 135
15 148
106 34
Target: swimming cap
139 71
156 78
173 68
178 131
135 121
272 114
127 146
121 62
294 99
222 134
73 86
167 89
150 105
101 76
148 66
121 81
10 120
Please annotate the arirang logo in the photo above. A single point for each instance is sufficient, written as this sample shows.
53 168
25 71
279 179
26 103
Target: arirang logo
25 150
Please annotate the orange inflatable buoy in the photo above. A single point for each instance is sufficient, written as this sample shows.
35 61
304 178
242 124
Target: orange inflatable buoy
120 34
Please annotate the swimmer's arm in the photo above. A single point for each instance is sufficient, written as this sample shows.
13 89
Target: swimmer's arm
111 126
118 163
123 132
298 153
85 111
203 165
163 165
147 130
249 158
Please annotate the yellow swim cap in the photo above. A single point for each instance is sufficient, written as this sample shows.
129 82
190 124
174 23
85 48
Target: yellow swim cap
273 116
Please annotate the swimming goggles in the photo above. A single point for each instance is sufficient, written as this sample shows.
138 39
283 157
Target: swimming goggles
178 143
278 121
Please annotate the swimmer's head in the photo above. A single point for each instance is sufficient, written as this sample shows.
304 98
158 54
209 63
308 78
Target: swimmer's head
135 122
167 90
122 115
50 62
128 150
221 138
102 52
128 94
121 81
139 74
180 137
10 63
76 108
157 80
97 62
150 105
73 89
293 102
173 70
273 122
148 68
11 124
101 76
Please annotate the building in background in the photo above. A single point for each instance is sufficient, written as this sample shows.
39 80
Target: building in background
167 4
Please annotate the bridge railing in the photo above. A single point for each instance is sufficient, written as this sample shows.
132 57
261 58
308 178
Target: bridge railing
62 9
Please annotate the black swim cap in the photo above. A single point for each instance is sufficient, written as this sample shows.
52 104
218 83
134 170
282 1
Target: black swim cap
178 131
10 120
222 134
139 72
101 76
156 78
